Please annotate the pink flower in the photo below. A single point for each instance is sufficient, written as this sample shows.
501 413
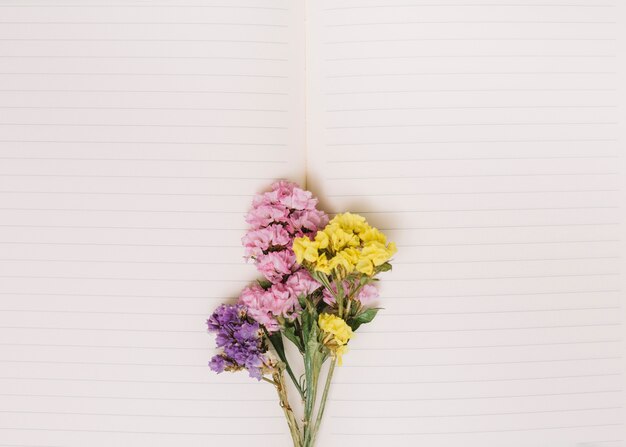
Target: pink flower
301 283
263 215
276 264
264 306
284 302
276 218
310 220
259 306
256 242
366 295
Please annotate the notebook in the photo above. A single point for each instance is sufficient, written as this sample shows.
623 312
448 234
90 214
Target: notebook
486 138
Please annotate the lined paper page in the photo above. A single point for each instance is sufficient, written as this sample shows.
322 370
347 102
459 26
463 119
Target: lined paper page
484 139
132 137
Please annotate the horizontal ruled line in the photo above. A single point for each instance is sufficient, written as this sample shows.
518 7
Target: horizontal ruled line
74 430
217 109
387 143
550 191
470 22
479 431
478 397
124 278
478 278
514 379
117 244
137 5
515 362
188 160
161 125
125 296
227 75
370 109
115 193
47 56
560 309
172 143
102 312
473 56
160 382
161 416
469 73
504 413
482 295
79 39
206 177
482 90
507 346
473 39
140 91
550 174
512 328
120 261
89 210
73 396
558 123
472 5
486 209
76 22
480 261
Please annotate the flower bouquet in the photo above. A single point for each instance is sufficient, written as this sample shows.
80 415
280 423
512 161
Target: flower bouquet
318 289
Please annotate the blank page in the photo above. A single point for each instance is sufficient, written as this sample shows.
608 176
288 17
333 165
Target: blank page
483 138
132 137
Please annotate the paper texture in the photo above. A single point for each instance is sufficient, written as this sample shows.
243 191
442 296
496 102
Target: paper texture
132 141
486 139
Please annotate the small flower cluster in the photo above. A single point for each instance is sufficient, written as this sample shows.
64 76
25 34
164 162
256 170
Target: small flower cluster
318 289
241 341
278 217
337 334
346 244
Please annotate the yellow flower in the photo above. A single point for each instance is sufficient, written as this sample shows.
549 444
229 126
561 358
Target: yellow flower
365 266
340 238
350 222
322 264
321 239
336 326
305 249
339 352
373 235
378 253
338 261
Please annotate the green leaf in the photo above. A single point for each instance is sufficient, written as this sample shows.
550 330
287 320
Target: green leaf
264 283
290 333
277 341
362 318
384 267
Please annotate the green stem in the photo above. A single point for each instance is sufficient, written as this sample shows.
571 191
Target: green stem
340 297
309 403
320 411
294 428
294 380
280 350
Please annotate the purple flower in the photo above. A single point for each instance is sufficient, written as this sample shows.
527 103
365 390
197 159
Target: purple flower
241 340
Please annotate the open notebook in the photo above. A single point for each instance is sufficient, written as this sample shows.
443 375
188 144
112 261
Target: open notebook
485 137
